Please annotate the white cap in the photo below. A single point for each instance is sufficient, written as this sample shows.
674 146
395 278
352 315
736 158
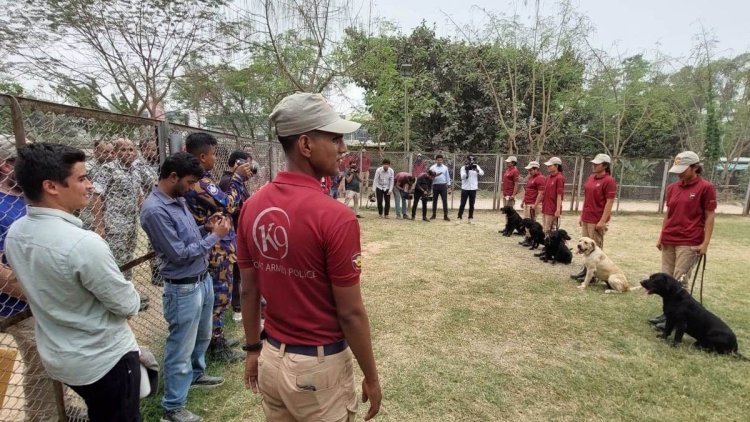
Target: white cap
601 158
553 160
683 161
511 159
302 112
532 165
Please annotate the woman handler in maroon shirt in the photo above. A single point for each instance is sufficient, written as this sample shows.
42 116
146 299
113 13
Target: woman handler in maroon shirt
600 191
689 221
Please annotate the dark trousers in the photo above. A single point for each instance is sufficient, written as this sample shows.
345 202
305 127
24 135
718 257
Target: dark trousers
381 194
442 191
419 195
236 288
471 195
115 397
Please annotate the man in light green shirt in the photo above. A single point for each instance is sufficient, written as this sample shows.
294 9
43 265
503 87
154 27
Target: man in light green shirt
75 290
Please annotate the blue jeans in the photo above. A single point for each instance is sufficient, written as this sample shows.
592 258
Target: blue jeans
400 202
187 310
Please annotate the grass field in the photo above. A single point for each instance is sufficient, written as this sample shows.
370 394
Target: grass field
468 326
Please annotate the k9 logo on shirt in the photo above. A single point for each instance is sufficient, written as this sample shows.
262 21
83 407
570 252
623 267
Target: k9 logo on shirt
270 233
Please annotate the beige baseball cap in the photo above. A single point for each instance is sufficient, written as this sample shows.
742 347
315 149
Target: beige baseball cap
302 112
683 161
7 147
601 158
532 165
553 160
511 159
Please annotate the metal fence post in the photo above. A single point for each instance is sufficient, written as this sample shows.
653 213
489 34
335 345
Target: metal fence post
746 210
663 191
494 182
453 178
573 185
272 170
580 184
162 140
499 180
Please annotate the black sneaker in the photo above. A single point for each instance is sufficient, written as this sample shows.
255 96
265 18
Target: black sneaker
446 218
432 218
180 415
425 220
359 216
207 381
219 350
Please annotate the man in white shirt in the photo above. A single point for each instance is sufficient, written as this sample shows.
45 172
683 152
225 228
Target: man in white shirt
383 182
440 186
71 281
470 173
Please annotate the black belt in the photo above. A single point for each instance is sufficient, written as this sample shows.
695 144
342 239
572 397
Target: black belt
186 280
328 349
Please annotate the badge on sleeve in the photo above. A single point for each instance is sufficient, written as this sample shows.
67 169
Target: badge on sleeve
357 262
212 189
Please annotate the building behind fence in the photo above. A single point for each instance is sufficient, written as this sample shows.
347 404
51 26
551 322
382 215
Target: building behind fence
641 187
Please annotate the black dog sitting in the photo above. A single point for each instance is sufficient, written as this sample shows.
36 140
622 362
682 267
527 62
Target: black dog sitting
555 249
513 221
685 315
535 235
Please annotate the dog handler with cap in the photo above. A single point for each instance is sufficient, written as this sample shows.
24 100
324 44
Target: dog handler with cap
300 250
533 191
554 189
510 181
689 220
600 191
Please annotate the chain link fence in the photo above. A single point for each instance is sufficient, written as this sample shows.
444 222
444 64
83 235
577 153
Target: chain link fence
123 157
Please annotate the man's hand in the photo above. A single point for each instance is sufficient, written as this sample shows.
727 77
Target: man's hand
700 249
251 371
222 227
600 227
658 244
557 214
212 220
580 222
244 170
370 391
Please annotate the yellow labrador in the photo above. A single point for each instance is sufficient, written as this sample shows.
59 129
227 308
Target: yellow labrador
598 264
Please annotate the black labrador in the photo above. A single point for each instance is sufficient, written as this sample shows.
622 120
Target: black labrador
536 232
513 221
555 248
685 315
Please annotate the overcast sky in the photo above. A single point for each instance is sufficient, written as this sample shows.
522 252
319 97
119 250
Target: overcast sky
633 26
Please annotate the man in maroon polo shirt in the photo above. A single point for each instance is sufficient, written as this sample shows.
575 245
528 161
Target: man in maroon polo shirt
554 188
510 181
300 250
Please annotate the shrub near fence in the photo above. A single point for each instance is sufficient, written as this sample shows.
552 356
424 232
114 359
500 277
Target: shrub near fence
641 188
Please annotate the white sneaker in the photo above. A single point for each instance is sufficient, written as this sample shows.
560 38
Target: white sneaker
470 222
237 316
459 220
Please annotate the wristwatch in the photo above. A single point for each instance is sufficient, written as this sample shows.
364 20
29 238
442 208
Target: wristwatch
253 347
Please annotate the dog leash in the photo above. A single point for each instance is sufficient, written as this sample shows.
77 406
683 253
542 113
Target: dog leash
701 259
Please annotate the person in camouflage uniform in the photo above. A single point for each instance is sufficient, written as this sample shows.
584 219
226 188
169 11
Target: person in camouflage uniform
204 200
103 153
118 193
